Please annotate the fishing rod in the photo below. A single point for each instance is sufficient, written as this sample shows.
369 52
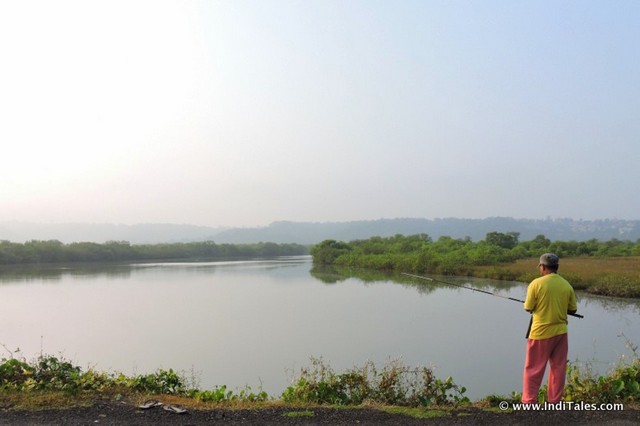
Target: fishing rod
476 289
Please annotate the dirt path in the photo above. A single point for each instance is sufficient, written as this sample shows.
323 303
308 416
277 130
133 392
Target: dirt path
117 413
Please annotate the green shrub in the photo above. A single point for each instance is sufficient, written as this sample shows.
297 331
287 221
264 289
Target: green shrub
160 382
49 373
396 384
621 385
14 373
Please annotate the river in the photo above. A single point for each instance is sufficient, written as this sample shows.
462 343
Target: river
257 323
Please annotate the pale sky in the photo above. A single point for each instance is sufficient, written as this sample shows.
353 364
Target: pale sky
241 113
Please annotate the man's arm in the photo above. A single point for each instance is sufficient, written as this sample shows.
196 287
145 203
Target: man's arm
530 300
573 304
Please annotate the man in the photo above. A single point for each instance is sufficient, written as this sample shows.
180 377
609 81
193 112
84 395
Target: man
549 299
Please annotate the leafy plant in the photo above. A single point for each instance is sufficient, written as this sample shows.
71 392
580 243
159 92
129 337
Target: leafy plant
608 268
49 373
623 384
161 382
396 384
14 373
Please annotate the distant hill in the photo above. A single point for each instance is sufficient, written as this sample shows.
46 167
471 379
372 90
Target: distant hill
476 229
312 232
144 233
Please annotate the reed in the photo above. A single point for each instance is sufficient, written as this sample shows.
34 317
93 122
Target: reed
609 276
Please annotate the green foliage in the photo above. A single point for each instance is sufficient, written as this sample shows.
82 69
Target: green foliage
508 240
54 251
48 373
494 400
52 373
14 373
415 253
396 384
622 385
160 382
448 256
615 284
328 251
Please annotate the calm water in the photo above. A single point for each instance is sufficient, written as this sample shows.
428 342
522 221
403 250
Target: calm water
257 323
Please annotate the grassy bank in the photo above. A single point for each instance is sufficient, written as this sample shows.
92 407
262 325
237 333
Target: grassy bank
609 268
49 382
608 276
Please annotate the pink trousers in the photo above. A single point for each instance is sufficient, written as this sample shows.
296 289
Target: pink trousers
539 352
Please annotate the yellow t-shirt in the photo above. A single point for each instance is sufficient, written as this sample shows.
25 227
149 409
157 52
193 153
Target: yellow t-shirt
549 298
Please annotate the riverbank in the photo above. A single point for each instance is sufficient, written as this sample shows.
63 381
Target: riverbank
605 276
609 268
128 413
52 392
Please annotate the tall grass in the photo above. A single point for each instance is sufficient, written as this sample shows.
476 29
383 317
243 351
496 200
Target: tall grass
608 276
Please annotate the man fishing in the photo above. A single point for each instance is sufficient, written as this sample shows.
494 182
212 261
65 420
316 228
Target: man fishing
549 299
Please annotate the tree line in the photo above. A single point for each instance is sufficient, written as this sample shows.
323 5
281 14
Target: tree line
53 251
446 255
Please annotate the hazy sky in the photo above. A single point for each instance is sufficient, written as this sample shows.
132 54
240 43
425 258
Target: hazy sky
240 113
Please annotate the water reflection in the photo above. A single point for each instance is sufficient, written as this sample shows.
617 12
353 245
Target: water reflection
331 275
20 274
13 274
610 304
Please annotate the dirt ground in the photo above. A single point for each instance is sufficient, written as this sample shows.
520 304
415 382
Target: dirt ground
119 413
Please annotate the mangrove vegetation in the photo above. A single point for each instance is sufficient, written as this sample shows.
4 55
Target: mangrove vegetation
53 251
600 267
